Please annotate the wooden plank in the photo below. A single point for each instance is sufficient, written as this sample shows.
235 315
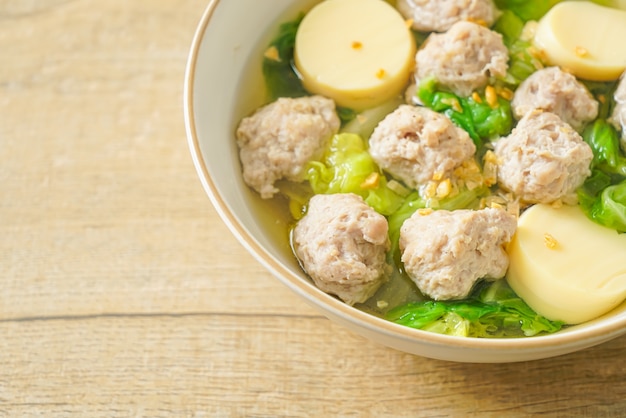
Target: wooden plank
277 365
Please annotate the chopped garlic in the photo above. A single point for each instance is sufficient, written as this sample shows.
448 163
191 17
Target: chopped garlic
371 181
471 185
557 204
581 52
490 174
430 190
491 97
271 53
437 175
550 241
480 22
443 189
491 157
490 168
505 93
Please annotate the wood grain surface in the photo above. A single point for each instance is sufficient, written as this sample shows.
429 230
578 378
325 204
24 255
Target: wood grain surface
124 295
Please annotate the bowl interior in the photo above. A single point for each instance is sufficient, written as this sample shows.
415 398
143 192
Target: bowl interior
223 83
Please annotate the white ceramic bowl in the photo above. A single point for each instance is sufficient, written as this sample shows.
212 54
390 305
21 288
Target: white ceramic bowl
221 86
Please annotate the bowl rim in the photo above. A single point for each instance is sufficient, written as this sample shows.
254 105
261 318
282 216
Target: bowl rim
608 328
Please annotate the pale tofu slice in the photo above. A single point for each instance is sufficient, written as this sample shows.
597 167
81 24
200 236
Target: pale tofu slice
584 38
358 52
565 266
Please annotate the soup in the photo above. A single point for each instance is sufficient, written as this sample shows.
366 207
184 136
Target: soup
486 115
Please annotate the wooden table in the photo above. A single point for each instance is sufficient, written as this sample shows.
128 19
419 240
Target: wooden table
123 293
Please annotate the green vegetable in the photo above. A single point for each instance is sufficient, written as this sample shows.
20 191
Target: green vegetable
412 203
478 118
522 62
510 26
604 202
602 91
603 195
493 310
346 114
593 186
527 9
280 78
604 140
610 208
347 167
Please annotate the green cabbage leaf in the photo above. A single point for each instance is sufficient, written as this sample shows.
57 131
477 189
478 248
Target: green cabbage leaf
492 311
280 79
604 202
527 9
347 167
522 62
603 195
477 118
604 139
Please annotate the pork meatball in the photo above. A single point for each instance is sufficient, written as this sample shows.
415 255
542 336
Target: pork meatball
553 90
463 58
440 15
416 144
446 252
543 159
618 119
342 243
280 138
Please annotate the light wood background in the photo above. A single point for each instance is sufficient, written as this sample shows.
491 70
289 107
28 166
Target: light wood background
122 294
